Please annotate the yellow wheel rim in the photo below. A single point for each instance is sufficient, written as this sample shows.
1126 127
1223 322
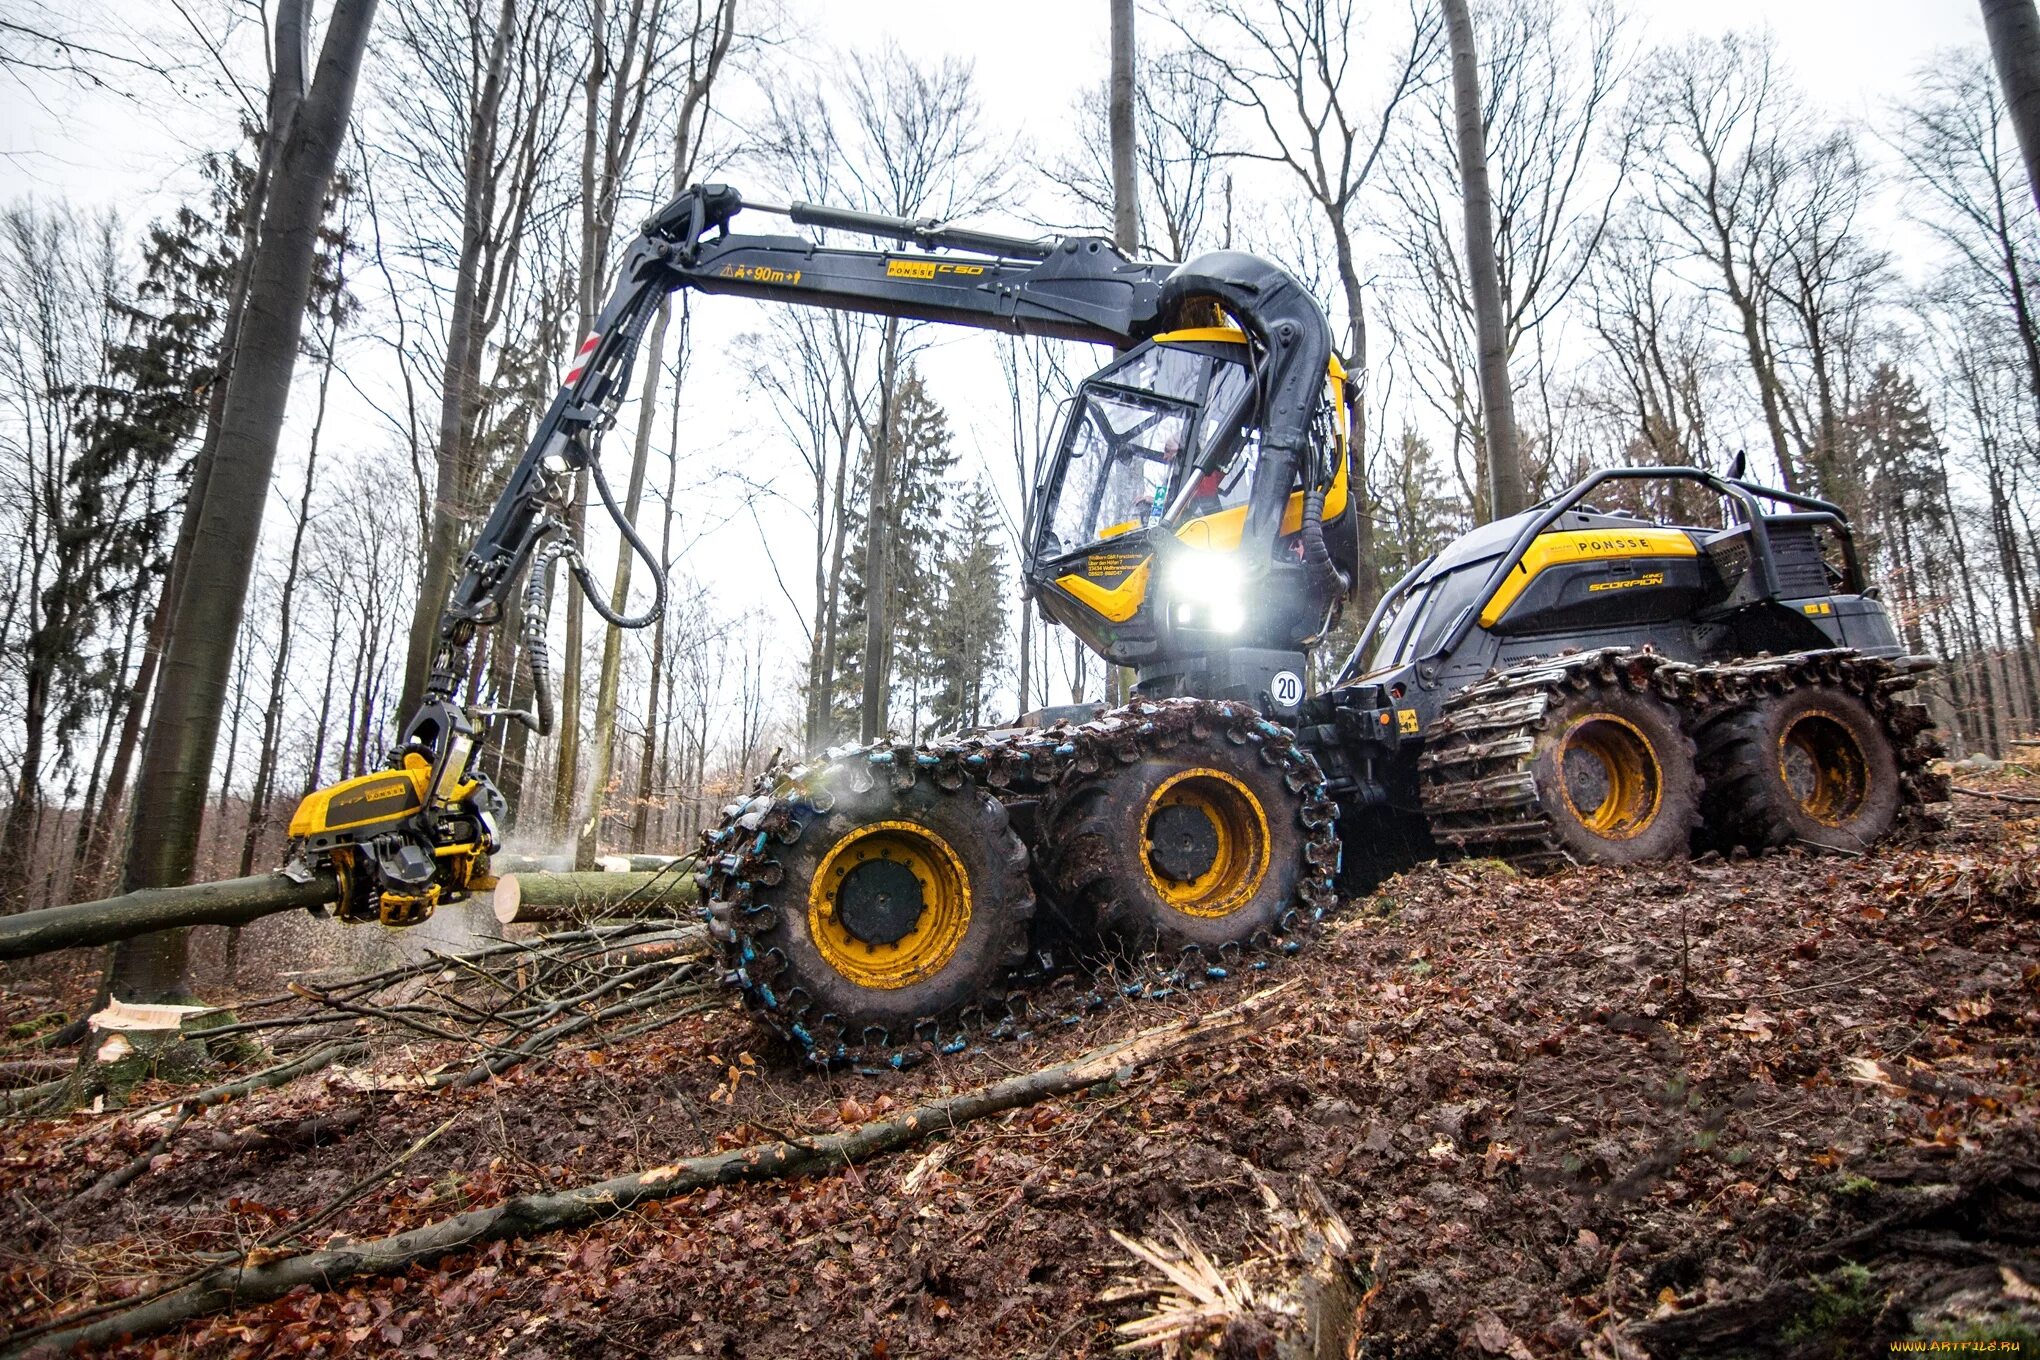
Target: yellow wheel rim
1823 766
859 870
1608 772
1234 831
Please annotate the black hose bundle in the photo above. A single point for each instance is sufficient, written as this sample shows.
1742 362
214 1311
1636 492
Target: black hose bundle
1325 573
637 545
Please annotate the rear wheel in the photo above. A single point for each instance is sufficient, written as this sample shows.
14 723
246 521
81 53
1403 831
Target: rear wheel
1812 765
1615 776
1207 845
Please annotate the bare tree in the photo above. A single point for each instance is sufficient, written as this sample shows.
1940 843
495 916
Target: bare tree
177 752
1289 68
709 32
1498 404
1957 149
624 75
1548 85
1720 120
476 112
2014 29
917 148
1179 142
1119 104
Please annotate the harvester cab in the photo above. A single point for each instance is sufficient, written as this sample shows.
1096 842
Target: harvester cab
1138 541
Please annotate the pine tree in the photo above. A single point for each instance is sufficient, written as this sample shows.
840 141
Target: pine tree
969 637
921 464
1418 513
1899 507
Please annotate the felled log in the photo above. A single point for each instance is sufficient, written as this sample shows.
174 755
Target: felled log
229 902
636 864
522 898
264 1277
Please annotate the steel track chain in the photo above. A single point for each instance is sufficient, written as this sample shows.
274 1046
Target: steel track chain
1475 775
1050 762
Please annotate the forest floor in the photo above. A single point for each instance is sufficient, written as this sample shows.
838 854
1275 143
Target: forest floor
1772 1107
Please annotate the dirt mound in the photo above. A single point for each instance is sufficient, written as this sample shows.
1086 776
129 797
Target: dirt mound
1772 1107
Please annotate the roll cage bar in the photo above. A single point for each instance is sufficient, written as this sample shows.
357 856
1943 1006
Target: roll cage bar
1747 497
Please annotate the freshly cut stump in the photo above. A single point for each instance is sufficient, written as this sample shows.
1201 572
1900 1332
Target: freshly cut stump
1209 839
1812 765
869 901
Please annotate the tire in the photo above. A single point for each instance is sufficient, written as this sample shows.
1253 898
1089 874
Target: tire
1615 775
1812 765
1203 846
889 903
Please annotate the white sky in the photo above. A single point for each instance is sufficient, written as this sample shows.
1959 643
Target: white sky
99 148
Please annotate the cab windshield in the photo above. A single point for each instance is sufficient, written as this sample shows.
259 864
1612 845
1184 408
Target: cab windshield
1142 447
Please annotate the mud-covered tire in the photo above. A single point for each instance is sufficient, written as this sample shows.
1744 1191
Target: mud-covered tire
1105 845
778 915
1813 766
1615 775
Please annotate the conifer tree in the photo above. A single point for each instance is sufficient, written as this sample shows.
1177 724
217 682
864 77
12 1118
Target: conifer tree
922 458
969 636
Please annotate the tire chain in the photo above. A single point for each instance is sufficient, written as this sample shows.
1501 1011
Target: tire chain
1478 789
1046 763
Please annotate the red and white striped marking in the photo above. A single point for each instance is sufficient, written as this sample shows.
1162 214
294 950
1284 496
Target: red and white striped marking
581 359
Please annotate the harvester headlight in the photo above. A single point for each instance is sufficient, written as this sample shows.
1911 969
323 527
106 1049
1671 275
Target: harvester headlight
1208 590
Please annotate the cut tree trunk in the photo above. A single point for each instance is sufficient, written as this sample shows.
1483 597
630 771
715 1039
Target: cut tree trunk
231 902
524 898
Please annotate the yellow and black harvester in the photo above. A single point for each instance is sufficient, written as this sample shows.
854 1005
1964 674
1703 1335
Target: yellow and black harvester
1571 684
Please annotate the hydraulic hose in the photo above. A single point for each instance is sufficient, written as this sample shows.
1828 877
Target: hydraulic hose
1325 573
594 592
536 655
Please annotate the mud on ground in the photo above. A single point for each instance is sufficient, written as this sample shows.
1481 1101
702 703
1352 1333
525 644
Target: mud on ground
1782 1107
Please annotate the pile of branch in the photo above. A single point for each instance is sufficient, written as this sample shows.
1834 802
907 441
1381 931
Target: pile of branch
507 1002
258 1278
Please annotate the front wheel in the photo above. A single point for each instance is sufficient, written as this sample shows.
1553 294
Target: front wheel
870 901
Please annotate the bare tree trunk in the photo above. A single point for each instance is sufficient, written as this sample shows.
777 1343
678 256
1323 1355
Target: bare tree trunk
1498 407
177 753
2014 29
264 788
603 729
708 45
461 371
1125 199
878 544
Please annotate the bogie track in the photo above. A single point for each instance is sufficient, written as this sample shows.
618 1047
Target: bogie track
1480 772
769 928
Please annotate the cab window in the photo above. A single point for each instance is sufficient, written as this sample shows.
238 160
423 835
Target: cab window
1125 454
1452 595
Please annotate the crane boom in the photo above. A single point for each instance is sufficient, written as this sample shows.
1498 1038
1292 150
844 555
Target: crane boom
398 838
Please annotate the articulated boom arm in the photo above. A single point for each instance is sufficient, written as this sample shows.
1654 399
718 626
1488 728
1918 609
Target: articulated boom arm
408 840
1073 289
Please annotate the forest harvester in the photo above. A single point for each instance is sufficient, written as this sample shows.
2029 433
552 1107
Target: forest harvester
1570 684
